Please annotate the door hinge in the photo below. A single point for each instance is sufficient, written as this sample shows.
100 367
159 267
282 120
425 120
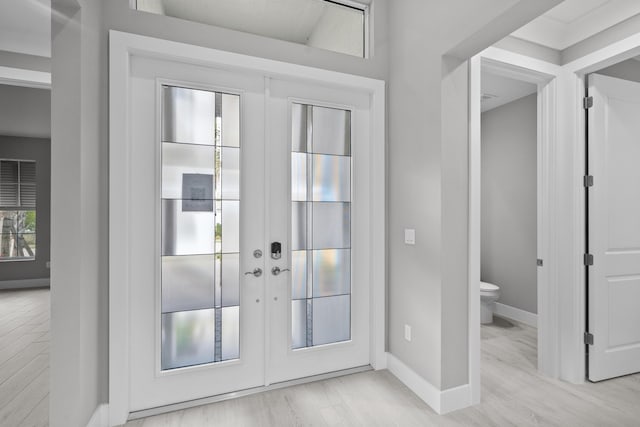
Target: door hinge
588 338
588 259
588 181
588 102
540 263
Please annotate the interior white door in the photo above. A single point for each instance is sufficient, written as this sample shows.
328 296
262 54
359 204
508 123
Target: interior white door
319 212
614 227
197 207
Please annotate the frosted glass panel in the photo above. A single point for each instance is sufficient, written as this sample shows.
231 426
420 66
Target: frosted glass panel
298 323
331 319
299 274
230 279
331 225
188 338
298 177
230 173
181 159
331 272
200 212
188 116
331 131
230 333
320 225
230 120
299 128
230 227
187 283
186 233
298 225
331 178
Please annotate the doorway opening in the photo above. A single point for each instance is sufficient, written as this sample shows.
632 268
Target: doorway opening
511 201
25 172
509 216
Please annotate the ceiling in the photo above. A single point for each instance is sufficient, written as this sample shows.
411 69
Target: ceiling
575 20
498 90
290 20
25 26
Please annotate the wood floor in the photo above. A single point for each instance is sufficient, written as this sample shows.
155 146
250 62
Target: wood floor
24 358
513 394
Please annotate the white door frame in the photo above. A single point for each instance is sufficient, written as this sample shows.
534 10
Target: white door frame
124 45
544 75
565 297
571 242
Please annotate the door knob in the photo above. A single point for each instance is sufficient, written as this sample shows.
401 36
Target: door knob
257 272
276 270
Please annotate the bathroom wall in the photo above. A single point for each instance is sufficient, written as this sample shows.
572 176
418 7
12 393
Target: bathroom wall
627 70
509 201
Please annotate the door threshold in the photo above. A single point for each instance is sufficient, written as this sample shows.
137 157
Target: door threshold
236 394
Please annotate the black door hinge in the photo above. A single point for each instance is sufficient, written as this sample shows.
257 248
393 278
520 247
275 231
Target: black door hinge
588 259
588 102
588 338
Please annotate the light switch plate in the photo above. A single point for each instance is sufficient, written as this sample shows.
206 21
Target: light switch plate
409 236
407 333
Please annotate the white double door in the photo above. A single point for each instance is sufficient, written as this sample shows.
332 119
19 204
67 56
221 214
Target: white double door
234 176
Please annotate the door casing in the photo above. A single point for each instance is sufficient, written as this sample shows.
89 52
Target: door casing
122 46
567 243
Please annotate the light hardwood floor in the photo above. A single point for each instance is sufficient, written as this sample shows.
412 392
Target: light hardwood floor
513 394
24 358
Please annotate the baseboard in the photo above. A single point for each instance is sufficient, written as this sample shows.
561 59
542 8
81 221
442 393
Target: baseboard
441 402
455 398
24 284
530 319
100 417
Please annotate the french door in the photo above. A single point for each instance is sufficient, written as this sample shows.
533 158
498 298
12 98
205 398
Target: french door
248 266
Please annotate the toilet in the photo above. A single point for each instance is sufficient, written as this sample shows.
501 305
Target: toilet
489 294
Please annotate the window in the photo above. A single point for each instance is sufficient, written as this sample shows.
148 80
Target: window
17 210
336 25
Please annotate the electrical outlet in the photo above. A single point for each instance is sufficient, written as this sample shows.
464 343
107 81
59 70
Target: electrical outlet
407 333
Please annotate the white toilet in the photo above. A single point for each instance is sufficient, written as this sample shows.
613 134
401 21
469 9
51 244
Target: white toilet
489 294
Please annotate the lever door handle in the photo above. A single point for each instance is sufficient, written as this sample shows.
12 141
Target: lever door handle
276 270
257 272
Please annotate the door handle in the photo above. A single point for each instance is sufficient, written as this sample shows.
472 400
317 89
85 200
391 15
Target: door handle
276 270
257 272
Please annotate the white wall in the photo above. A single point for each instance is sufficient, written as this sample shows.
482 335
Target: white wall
338 31
509 202
25 111
626 70
428 163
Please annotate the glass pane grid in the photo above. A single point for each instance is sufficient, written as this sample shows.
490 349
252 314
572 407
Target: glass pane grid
321 226
200 228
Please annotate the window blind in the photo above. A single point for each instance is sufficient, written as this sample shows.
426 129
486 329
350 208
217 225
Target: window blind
17 184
